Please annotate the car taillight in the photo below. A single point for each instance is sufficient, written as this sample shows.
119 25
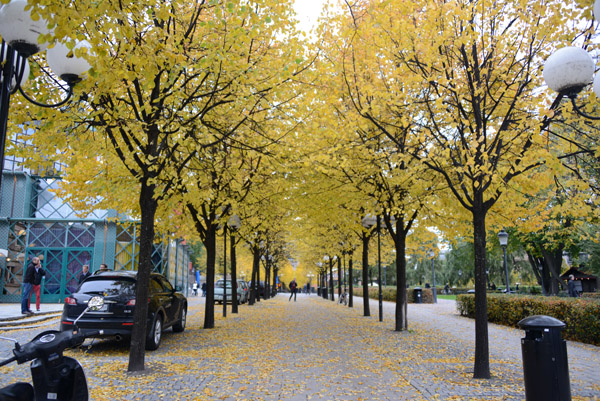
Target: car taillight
70 301
131 302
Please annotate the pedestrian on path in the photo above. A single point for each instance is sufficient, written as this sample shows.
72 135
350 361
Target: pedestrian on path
38 275
571 287
293 290
85 273
203 289
28 283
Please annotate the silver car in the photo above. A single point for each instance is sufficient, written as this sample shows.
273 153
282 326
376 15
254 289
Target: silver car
242 291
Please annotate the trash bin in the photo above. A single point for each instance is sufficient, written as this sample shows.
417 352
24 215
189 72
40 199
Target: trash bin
545 363
318 290
324 292
418 292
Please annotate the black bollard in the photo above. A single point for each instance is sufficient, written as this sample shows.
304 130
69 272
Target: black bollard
545 362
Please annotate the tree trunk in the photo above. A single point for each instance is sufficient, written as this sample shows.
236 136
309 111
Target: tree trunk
339 277
331 287
148 206
351 283
553 259
482 358
210 243
401 318
258 280
225 271
234 302
365 274
255 266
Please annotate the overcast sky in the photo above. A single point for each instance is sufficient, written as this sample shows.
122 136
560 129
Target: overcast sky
308 12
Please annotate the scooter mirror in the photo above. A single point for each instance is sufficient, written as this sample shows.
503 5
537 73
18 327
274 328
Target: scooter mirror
95 303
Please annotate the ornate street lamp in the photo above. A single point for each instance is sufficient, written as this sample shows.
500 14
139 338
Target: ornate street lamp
503 238
570 69
20 35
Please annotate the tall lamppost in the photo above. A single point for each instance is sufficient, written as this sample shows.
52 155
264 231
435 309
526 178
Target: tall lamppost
367 222
541 269
433 290
503 238
20 35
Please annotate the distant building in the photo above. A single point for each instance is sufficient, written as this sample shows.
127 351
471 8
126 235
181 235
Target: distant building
583 282
35 222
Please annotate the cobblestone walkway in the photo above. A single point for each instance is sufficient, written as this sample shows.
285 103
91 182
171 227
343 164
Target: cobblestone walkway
315 349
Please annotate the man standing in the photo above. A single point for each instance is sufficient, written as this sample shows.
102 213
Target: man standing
293 289
571 287
31 280
85 273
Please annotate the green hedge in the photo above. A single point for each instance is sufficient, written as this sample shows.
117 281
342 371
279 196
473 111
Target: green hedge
581 316
389 294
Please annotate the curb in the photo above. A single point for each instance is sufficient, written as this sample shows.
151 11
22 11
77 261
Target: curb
20 320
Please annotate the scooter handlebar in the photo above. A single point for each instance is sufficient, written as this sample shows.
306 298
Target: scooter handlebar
9 360
51 344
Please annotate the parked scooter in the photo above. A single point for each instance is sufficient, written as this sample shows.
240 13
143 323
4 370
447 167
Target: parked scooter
55 377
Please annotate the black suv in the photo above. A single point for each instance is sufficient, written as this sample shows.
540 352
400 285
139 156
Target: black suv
166 307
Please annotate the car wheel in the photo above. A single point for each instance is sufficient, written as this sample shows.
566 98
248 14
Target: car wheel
180 325
155 334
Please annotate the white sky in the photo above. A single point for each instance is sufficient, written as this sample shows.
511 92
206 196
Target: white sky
308 12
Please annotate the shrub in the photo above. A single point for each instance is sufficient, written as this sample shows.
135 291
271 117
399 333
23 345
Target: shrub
581 316
389 294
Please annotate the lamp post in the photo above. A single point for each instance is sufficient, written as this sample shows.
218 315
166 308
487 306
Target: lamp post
20 35
433 290
541 268
459 276
367 222
503 238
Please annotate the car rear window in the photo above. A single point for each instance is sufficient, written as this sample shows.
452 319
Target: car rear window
108 286
220 284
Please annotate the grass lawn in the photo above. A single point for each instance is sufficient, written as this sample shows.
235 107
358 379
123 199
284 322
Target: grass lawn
452 297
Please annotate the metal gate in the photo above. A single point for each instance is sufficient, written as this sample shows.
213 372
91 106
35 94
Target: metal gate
63 247
63 267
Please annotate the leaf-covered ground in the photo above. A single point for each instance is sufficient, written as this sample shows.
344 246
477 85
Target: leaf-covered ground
312 349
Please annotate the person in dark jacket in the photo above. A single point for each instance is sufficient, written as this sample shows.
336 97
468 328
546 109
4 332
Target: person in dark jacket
571 287
293 290
85 273
31 279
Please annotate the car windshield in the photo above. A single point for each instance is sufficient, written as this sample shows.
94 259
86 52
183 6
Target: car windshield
220 284
108 286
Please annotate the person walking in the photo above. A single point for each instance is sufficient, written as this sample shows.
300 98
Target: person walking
85 273
38 274
571 287
28 283
203 287
293 289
